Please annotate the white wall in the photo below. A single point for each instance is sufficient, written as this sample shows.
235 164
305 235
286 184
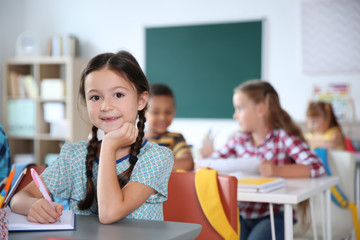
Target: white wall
110 25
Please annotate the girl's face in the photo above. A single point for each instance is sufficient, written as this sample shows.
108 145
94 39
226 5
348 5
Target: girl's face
111 99
247 113
160 113
316 124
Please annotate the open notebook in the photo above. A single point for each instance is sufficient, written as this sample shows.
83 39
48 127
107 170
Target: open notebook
18 222
259 184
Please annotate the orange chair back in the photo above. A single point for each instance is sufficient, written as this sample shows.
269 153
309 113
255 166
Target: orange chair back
183 205
27 178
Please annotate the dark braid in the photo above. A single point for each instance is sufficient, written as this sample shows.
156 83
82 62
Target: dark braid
92 150
124 177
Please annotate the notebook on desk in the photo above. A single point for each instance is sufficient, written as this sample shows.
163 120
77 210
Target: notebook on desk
18 222
260 184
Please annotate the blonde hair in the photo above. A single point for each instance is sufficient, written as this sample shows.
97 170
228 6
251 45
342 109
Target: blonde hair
276 117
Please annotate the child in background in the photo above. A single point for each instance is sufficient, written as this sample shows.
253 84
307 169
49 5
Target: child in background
269 133
5 161
324 129
121 176
160 113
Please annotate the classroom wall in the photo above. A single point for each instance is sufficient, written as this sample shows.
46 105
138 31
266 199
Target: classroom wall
110 25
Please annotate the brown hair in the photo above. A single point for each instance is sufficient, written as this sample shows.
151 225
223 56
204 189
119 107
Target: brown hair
324 109
262 91
125 64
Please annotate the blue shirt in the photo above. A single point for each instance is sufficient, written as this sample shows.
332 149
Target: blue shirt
5 160
66 177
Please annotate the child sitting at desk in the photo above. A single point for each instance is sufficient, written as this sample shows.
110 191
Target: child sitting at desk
160 113
324 129
269 133
121 176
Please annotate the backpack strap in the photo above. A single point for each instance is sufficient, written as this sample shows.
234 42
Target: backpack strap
209 198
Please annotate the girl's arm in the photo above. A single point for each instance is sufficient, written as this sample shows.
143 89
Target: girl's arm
269 169
115 203
304 162
29 201
301 154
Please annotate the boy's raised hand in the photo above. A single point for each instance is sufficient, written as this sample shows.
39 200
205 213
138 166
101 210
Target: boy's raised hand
42 212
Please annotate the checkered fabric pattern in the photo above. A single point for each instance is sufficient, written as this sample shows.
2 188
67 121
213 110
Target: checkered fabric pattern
5 160
279 148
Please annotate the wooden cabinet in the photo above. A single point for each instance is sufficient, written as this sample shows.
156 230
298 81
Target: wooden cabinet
41 105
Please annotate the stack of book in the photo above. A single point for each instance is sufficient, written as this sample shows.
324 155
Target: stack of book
260 184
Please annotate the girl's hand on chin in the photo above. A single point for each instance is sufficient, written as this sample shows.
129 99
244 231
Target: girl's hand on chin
123 136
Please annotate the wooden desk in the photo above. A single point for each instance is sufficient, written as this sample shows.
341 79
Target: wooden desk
296 191
89 227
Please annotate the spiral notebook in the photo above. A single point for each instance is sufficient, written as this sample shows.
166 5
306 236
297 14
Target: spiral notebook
18 222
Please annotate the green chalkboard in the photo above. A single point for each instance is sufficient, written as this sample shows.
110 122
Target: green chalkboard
204 63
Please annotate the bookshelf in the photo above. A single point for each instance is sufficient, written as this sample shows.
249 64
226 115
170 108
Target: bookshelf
28 106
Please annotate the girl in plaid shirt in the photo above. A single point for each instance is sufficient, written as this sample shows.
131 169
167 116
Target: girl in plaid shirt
269 133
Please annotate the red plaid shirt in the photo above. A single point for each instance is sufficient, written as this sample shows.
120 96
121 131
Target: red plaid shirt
278 147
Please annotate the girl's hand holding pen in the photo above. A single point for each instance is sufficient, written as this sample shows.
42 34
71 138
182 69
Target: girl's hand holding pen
42 212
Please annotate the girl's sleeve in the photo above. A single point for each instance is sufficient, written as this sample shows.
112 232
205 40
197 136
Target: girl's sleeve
226 151
57 176
300 152
154 170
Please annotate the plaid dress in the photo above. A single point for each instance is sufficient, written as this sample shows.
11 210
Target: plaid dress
279 148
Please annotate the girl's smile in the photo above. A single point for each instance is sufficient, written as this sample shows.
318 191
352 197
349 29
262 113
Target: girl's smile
111 99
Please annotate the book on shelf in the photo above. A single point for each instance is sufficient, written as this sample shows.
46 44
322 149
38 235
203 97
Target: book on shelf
31 88
260 184
18 222
22 86
14 85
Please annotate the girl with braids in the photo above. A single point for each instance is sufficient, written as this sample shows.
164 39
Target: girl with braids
123 175
267 132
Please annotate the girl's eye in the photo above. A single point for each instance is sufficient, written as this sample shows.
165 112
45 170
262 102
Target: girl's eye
119 95
94 98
